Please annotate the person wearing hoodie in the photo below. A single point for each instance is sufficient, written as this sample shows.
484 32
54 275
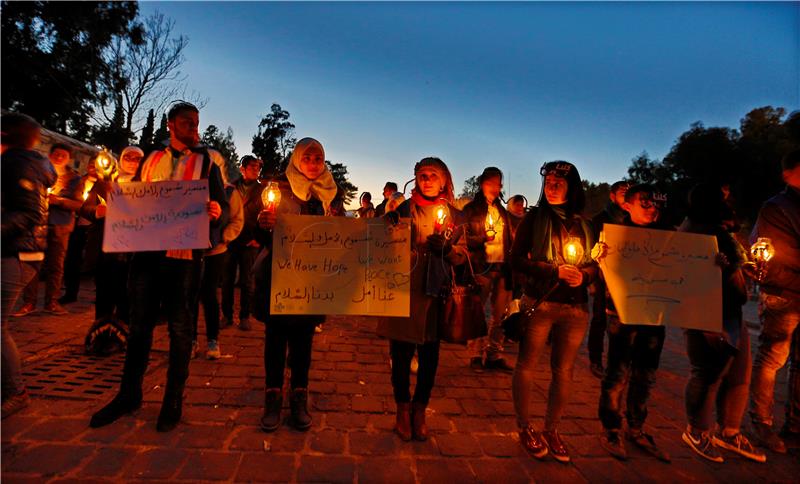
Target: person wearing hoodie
720 362
612 214
435 248
552 249
488 233
634 350
26 177
162 280
307 188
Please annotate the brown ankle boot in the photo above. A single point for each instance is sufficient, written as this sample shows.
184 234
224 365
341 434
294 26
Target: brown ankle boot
420 430
403 425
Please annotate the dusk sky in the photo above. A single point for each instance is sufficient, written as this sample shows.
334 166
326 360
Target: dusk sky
383 85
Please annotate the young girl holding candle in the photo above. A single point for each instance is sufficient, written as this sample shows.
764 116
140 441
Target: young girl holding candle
435 249
307 188
552 248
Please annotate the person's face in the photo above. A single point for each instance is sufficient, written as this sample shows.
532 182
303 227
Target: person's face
555 189
365 202
491 188
792 177
387 192
184 128
429 182
130 162
251 171
642 211
618 196
59 157
517 207
312 163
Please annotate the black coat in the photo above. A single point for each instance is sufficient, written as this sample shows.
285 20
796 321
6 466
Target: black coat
26 176
251 206
474 214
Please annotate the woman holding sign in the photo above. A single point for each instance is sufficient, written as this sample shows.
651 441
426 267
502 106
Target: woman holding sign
720 362
552 249
307 188
434 251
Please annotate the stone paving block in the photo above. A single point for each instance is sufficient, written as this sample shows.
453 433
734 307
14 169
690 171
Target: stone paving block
326 469
328 441
114 432
353 388
210 466
202 436
477 408
145 434
550 471
437 471
381 443
367 404
331 403
49 459
382 422
205 414
603 470
266 467
16 425
458 445
448 406
438 423
346 421
387 470
501 445
159 463
495 470
108 462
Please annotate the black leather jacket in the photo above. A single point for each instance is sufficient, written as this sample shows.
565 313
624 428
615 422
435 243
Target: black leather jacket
26 176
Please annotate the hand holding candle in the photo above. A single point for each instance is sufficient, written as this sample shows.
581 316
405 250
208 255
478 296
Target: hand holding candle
573 251
441 216
106 164
762 251
490 231
271 197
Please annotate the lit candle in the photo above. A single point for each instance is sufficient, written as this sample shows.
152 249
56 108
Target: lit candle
490 231
762 252
105 164
271 197
441 216
573 251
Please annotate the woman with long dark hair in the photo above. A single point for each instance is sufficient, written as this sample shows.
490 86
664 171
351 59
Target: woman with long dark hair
552 248
434 251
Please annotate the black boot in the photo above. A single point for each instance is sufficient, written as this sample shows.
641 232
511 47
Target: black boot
171 410
301 420
273 401
124 403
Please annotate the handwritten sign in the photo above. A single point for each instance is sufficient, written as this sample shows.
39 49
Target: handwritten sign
338 265
661 277
164 215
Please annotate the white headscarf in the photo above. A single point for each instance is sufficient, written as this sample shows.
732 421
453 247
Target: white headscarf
125 177
323 187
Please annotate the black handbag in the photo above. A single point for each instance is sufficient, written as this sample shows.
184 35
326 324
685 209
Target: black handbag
463 318
516 315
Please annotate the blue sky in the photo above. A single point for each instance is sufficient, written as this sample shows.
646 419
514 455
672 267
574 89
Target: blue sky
382 85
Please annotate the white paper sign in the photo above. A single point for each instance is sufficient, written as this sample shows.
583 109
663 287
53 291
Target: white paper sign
165 215
663 277
338 265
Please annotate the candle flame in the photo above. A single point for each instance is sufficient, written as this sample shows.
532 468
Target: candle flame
762 250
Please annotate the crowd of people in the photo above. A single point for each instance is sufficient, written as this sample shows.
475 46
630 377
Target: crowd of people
516 253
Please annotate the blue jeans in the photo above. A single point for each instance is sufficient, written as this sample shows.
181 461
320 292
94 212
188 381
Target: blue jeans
634 352
568 323
15 276
779 339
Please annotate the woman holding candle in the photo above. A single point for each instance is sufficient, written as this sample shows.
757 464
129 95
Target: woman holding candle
551 249
720 362
489 242
434 251
307 188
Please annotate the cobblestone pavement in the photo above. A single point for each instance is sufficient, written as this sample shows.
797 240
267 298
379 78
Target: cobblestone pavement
470 415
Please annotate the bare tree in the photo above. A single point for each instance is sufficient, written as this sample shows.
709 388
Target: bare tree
144 73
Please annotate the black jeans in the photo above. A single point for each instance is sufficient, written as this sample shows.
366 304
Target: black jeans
296 337
243 259
633 355
598 323
74 261
111 281
212 268
720 377
402 354
158 282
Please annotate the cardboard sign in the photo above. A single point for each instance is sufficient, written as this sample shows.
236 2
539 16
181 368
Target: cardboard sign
338 265
661 277
164 215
